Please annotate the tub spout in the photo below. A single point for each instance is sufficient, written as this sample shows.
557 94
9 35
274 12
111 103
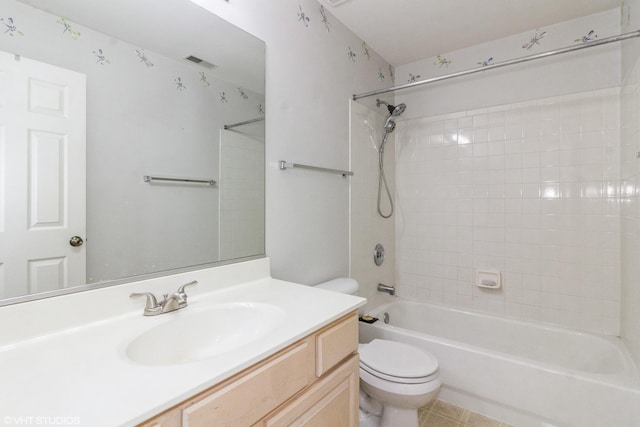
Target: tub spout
390 289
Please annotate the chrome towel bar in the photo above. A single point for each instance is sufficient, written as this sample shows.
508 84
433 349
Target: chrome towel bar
149 178
285 165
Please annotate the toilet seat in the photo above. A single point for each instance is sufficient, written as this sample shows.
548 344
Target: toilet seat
398 362
404 389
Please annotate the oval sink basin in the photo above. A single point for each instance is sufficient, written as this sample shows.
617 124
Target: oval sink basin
197 334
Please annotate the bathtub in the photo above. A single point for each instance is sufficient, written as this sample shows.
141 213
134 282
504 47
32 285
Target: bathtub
522 373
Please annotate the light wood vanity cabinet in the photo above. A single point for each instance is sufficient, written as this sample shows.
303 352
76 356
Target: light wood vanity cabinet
313 382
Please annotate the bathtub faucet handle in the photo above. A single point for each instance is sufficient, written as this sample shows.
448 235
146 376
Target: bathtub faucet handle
390 289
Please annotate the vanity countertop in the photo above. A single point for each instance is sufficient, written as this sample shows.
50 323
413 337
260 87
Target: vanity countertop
80 375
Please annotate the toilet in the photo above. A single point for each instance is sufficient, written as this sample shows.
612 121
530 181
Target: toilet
395 378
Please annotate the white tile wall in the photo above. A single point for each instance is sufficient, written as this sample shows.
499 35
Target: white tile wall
529 189
630 176
241 193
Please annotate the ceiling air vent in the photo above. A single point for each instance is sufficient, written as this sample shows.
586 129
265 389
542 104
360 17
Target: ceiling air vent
199 61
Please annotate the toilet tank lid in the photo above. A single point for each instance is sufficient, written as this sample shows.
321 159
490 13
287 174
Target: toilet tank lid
343 285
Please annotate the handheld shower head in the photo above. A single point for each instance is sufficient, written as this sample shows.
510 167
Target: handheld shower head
389 125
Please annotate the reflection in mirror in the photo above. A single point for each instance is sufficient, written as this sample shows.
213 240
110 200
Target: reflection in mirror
96 95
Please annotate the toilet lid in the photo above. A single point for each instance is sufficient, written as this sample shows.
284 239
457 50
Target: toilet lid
397 359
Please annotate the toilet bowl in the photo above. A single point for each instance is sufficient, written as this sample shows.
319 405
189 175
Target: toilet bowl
395 378
401 377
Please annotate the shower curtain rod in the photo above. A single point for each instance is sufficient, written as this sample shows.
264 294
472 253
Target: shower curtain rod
568 49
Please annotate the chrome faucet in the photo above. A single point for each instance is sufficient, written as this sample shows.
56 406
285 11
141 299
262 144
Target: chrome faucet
173 302
390 289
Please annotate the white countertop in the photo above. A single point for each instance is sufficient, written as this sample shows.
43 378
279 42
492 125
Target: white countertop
80 375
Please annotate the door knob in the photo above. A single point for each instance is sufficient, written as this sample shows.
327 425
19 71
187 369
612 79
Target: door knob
76 241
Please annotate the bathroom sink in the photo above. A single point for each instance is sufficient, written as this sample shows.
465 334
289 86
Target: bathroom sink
194 334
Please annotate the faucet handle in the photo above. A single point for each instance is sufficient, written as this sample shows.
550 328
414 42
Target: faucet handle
181 295
152 302
181 288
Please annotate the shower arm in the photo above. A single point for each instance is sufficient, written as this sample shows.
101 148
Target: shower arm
541 55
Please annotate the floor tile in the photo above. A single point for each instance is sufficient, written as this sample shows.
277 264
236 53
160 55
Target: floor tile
477 420
448 410
437 420
443 414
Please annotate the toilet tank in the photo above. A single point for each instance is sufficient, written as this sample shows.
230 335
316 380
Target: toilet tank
344 285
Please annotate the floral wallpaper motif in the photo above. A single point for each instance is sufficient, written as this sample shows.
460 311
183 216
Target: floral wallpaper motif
302 17
180 84
11 30
590 36
96 53
203 79
441 62
143 58
324 17
581 30
102 59
325 21
68 29
351 55
534 40
365 51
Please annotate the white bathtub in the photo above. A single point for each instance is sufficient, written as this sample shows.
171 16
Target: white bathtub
522 373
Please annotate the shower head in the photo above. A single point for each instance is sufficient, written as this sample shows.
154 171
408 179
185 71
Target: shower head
398 109
394 110
390 123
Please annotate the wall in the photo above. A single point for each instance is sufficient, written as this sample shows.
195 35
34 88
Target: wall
312 71
368 228
521 176
124 80
630 209
559 75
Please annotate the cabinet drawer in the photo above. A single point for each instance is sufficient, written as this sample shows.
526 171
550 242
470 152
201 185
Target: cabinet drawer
252 396
336 343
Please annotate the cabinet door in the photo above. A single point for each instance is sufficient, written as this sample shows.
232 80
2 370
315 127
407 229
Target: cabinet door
332 401
336 342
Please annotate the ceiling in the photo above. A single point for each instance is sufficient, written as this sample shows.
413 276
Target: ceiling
403 31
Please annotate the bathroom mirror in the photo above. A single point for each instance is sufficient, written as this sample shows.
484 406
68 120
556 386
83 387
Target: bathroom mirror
131 143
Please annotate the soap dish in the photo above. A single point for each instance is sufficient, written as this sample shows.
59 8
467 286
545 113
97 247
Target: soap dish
489 279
